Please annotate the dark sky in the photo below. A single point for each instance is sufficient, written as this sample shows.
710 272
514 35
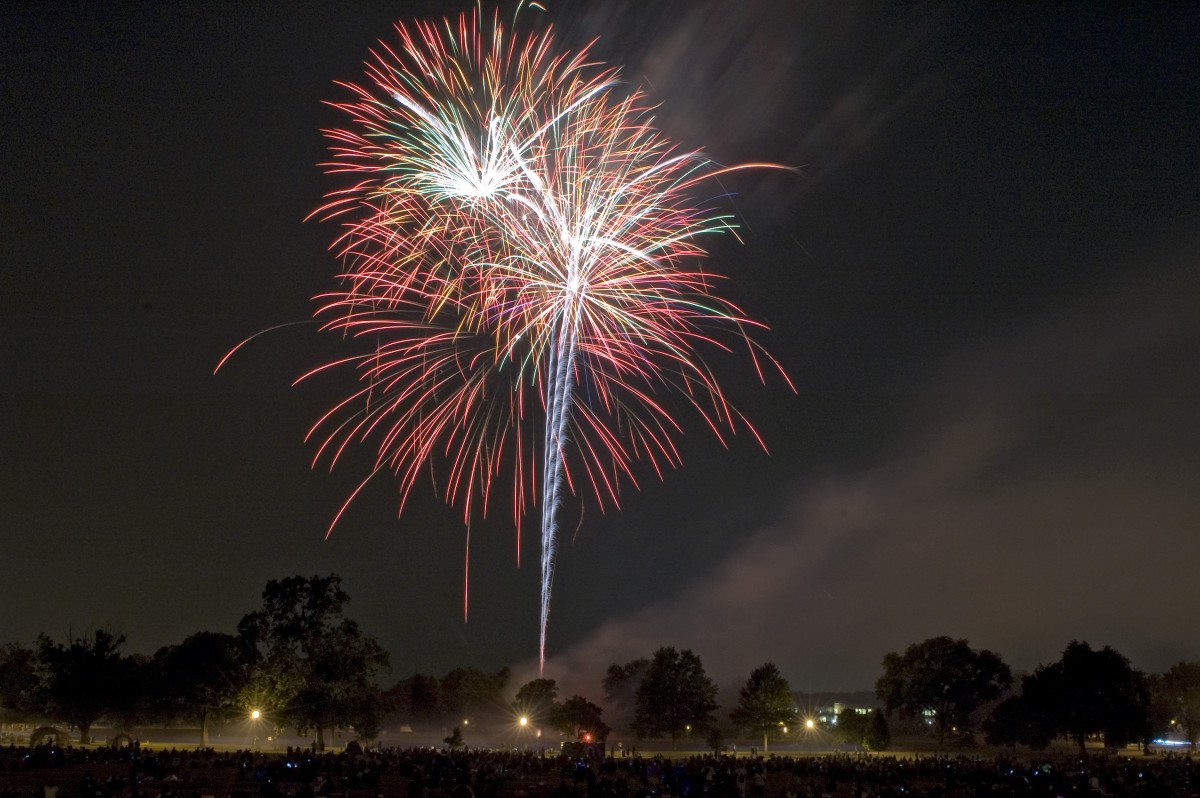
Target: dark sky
984 280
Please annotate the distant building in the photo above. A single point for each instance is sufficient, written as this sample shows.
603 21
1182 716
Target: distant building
823 708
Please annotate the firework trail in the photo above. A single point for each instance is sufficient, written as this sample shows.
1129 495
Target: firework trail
515 240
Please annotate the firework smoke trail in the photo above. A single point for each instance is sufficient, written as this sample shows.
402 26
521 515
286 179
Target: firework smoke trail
512 232
559 389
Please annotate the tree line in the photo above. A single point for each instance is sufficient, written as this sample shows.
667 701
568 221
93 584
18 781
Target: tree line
1087 694
306 665
298 655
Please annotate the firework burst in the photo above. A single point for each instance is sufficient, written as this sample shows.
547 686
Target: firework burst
517 242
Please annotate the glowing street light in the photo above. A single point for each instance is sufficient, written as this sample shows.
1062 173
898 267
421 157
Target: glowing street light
255 717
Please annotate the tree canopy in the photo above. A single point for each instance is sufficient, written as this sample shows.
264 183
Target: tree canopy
302 662
870 729
203 678
580 719
21 693
535 700
1178 693
944 676
83 677
315 662
675 694
1086 692
620 685
765 703
471 693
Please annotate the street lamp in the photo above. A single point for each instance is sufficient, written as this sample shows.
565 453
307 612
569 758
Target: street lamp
255 717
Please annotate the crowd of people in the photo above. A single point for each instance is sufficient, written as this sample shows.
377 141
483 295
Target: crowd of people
49 771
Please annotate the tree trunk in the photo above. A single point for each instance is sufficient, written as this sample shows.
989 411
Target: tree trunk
204 728
320 738
85 733
764 742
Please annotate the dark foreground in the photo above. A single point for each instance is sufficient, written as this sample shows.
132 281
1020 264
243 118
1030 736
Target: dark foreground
49 772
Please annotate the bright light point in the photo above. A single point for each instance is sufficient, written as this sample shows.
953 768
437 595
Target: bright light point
255 714
524 721
810 724
785 729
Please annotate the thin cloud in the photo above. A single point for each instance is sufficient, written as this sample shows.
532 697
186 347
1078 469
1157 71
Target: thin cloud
1047 492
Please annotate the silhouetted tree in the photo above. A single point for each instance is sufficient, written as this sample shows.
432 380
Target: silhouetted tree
535 700
868 729
851 727
879 736
316 656
82 677
471 693
579 718
765 703
1017 721
674 694
134 689
621 684
22 693
204 678
369 708
1086 692
945 676
1178 692
418 700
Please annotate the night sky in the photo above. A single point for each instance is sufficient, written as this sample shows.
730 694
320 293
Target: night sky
984 281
